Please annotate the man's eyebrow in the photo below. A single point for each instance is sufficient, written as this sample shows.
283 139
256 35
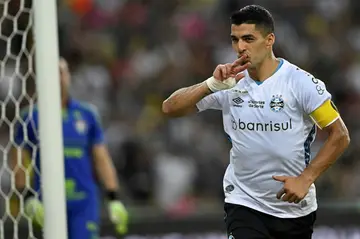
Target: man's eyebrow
243 36
247 36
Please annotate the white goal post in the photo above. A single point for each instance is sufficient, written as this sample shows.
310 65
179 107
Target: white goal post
40 24
50 119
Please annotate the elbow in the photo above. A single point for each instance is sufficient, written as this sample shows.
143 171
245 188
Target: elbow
169 110
174 110
166 108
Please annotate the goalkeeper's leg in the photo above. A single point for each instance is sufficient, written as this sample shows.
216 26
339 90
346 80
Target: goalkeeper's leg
83 222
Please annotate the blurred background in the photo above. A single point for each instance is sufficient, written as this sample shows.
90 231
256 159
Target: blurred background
127 56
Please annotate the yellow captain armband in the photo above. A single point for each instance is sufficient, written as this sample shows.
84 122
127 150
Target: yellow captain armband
325 115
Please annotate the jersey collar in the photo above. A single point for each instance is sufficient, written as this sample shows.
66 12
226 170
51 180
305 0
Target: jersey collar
278 71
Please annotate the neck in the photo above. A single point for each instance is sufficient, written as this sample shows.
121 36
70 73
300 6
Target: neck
265 69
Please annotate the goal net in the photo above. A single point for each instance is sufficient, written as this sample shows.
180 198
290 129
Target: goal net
17 91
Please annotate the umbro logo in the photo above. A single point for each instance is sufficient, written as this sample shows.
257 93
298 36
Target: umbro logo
238 100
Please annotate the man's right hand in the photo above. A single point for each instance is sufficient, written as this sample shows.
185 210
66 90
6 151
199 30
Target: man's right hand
34 209
226 76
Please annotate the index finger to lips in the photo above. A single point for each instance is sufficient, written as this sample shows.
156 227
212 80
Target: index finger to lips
240 68
239 61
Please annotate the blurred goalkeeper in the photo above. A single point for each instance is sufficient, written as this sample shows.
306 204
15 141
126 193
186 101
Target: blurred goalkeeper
84 153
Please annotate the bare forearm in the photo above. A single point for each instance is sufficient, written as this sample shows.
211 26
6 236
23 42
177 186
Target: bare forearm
104 168
329 153
183 101
107 175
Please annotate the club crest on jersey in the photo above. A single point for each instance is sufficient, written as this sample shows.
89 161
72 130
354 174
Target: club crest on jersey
80 126
277 103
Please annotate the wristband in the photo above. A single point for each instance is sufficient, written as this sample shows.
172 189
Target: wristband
216 85
112 195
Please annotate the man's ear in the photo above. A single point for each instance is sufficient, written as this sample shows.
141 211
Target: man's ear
270 40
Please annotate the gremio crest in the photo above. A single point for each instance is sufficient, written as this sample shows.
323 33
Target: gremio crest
81 126
277 103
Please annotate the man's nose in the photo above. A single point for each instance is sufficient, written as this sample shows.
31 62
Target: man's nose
241 51
241 47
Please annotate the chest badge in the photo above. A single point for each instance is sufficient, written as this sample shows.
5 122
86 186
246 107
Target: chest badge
81 126
277 103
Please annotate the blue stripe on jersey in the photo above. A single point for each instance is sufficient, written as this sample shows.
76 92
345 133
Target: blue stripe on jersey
307 145
277 68
229 138
280 64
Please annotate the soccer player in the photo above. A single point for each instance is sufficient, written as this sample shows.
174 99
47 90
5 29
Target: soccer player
84 153
271 109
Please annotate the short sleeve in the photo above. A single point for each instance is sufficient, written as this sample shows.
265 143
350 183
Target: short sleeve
214 101
96 131
310 91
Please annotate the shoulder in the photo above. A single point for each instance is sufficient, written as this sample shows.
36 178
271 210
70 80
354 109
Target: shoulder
298 75
89 110
302 80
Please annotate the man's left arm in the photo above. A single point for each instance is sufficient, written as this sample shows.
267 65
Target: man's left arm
107 174
315 101
328 119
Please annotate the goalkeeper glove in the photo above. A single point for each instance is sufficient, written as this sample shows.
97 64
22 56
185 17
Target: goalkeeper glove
118 214
34 209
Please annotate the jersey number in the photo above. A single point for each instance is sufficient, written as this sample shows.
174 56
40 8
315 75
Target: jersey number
319 88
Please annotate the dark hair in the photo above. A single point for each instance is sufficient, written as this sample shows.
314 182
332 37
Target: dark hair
254 14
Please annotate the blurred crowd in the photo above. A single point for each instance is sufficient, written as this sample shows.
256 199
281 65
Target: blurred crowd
127 56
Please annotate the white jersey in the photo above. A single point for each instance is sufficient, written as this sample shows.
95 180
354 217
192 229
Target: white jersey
271 133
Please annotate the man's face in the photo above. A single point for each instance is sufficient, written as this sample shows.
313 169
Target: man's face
64 77
246 39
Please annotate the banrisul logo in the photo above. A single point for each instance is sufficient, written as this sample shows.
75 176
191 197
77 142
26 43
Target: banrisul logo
238 124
